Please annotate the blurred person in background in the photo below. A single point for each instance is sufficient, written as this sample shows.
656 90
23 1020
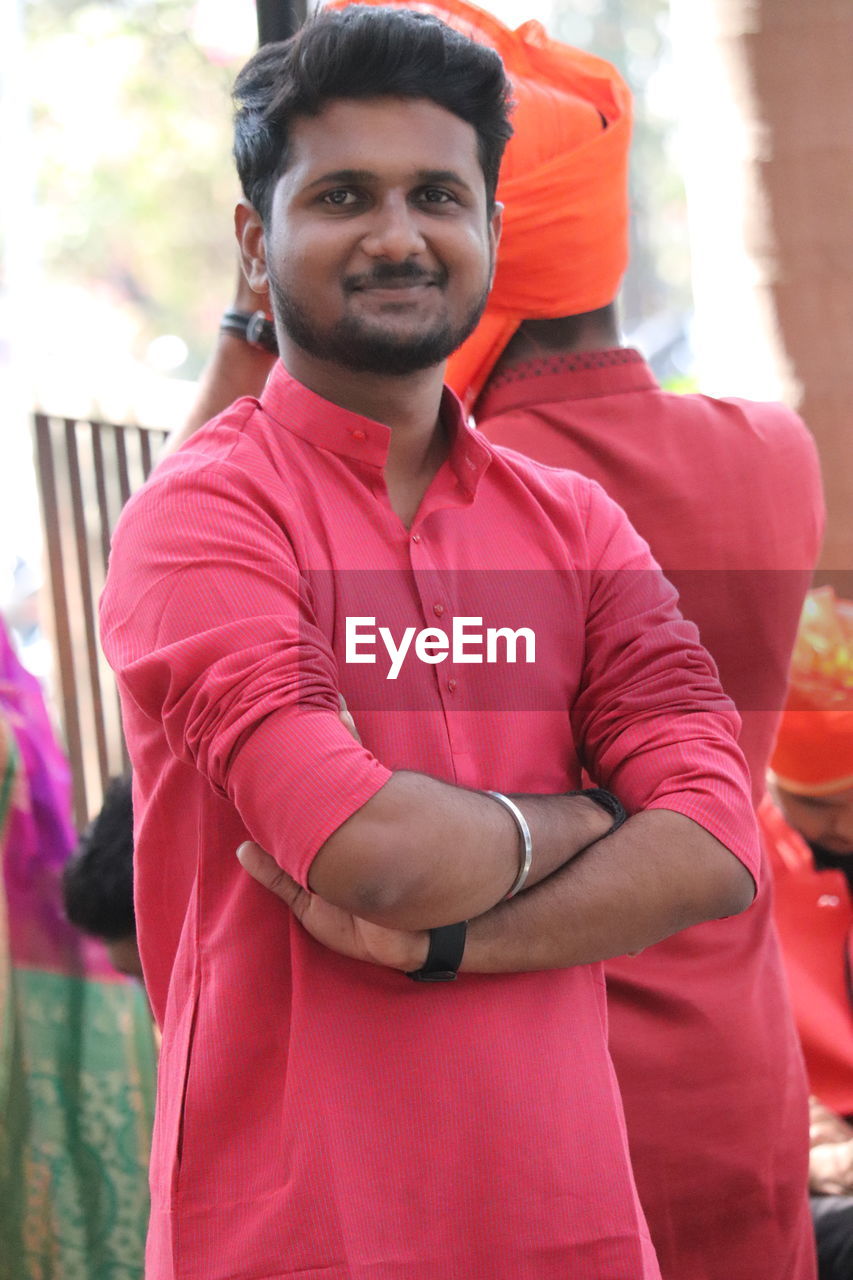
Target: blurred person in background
97 883
807 823
77 1058
728 495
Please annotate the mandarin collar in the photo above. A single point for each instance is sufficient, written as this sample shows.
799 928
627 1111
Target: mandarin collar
581 375
328 426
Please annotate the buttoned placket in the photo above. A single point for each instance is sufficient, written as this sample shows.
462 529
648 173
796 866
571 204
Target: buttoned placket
436 610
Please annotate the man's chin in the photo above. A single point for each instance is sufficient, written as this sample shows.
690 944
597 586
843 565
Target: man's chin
392 351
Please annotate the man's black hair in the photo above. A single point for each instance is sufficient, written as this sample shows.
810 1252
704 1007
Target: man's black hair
97 884
364 52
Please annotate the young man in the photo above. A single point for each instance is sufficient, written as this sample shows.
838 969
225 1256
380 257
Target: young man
807 824
492 624
728 495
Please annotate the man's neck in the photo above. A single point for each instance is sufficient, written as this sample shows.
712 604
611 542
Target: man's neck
569 335
410 406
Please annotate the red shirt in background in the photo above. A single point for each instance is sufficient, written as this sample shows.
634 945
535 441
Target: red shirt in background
814 914
727 493
319 1117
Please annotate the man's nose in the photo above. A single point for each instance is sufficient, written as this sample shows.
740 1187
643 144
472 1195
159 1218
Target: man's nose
394 232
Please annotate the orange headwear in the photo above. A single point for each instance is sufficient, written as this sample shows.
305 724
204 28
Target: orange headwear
563 184
814 747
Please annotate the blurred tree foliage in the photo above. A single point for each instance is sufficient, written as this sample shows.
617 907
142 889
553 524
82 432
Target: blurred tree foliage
131 122
131 125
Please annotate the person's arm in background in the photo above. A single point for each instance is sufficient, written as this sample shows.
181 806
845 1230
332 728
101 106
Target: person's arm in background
236 368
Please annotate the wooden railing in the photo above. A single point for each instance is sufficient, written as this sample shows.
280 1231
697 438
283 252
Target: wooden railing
86 470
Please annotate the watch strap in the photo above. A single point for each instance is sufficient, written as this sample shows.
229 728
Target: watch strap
446 947
254 327
607 801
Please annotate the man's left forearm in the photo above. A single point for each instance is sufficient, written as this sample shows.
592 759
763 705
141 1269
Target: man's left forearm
659 873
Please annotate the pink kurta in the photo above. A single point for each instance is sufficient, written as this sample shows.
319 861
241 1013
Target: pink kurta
728 495
318 1117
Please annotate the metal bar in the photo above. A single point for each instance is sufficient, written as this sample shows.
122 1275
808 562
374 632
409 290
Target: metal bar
71 715
121 455
145 450
87 600
279 19
101 490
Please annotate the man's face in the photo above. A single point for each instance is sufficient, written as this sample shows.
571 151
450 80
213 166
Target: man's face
824 822
379 251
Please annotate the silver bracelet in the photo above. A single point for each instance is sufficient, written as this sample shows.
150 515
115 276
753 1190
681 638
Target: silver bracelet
526 842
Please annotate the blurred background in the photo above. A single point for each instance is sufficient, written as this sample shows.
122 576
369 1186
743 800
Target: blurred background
115 217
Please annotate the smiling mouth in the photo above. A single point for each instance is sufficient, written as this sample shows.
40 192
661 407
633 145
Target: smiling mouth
394 287
393 279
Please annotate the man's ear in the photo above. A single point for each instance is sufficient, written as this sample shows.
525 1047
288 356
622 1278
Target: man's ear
495 228
253 249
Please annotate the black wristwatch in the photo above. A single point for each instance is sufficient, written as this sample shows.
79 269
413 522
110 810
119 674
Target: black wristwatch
444 956
254 327
607 801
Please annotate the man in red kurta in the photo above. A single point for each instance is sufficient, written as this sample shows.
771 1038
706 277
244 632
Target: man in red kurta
728 495
808 832
492 624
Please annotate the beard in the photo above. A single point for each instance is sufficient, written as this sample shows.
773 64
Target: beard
825 860
362 346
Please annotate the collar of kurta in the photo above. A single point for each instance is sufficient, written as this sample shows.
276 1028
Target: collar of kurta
362 440
580 376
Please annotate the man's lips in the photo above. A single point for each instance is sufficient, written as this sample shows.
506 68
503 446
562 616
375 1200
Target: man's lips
393 281
393 286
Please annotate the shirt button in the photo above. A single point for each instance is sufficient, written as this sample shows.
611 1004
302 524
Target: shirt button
416 537
438 610
451 684
359 435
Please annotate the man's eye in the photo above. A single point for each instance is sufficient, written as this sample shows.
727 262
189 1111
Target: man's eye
340 197
436 195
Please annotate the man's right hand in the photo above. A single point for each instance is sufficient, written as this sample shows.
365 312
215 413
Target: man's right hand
336 929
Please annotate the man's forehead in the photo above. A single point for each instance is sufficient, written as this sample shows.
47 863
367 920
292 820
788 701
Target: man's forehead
367 135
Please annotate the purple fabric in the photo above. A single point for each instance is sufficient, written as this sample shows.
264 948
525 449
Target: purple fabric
40 836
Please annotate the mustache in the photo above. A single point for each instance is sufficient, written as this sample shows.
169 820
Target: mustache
385 273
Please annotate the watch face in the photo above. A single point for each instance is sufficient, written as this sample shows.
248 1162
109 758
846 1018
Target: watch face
260 332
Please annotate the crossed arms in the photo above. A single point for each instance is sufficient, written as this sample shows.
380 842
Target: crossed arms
247 695
657 874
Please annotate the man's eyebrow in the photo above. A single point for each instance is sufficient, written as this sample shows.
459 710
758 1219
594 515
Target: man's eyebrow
450 176
424 177
342 177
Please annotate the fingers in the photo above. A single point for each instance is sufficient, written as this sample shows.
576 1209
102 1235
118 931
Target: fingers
264 868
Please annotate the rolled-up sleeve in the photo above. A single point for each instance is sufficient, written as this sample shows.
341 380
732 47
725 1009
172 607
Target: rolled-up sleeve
222 649
652 719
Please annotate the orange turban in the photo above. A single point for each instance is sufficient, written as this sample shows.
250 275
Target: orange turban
814 748
563 184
